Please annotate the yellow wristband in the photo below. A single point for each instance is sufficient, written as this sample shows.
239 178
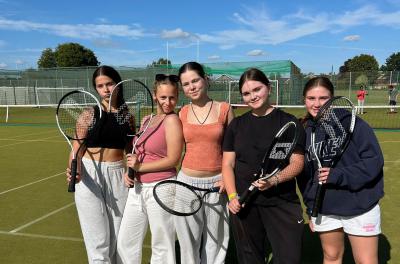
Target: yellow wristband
232 196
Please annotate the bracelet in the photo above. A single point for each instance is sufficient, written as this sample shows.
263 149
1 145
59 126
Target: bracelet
232 196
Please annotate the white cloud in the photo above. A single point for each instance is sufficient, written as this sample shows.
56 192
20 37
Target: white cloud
256 52
256 26
105 43
19 62
352 38
174 34
103 20
3 65
214 57
80 31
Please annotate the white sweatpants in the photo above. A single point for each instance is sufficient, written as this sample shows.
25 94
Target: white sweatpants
360 108
141 211
100 199
209 224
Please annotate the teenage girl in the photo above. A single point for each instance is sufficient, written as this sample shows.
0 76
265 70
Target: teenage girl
275 213
100 194
353 187
158 151
203 237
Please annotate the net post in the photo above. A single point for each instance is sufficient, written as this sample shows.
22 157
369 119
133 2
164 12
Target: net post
229 91
7 113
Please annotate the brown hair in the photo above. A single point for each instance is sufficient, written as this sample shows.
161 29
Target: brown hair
253 74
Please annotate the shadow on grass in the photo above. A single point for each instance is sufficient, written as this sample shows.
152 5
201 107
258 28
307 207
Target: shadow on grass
312 251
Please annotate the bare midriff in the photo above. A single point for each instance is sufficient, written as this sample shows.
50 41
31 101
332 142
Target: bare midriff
199 174
104 154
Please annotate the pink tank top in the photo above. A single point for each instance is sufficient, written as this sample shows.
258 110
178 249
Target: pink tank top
152 146
203 142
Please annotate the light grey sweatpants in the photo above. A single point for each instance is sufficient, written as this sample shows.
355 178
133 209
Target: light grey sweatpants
100 199
210 223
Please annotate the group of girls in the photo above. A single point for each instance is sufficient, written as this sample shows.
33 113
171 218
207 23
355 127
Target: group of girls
225 151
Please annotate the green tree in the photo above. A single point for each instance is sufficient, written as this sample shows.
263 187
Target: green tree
361 80
344 67
392 63
74 55
361 63
47 59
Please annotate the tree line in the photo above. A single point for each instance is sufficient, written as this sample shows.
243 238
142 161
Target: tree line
76 55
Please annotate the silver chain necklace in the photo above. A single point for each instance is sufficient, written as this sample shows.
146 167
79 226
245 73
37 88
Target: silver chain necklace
209 111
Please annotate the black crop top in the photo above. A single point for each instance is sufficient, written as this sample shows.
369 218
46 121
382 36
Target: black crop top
109 133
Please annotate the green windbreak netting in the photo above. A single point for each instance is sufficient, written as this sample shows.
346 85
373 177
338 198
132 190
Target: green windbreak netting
283 68
45 86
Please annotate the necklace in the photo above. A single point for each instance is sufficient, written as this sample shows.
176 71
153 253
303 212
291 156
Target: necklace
209 111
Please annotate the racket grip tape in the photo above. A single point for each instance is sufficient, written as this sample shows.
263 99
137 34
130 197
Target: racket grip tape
74 167
131 175
317 201
246 195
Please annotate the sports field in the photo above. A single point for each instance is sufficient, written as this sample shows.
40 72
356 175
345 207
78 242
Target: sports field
39 224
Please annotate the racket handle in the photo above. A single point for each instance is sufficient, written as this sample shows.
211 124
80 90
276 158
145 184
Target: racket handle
244 198
71 185
131 174
317 201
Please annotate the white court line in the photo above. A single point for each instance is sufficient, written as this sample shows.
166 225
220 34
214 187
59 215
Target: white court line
26 141
390 141
29 140
42 236
22 186
41 218
34 134
50 237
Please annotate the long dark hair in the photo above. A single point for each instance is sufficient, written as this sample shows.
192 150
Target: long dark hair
192 66
253 74
114 75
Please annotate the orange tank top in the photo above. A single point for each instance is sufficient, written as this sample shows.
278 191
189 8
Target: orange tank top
203 142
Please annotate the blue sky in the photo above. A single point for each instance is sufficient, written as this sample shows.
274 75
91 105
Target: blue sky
315 35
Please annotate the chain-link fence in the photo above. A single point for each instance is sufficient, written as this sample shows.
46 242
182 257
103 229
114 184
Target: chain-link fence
46 86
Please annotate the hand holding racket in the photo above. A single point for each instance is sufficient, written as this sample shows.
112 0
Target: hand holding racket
330 136
276 158
132 102
179 198
76 116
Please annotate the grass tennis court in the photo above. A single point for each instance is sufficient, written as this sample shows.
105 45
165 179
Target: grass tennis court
38 222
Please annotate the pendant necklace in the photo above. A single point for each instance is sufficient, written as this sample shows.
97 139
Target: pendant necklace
209 111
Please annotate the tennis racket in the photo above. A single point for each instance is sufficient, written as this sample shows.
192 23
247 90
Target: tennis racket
179 198
276 158
330 136
77 114
132 103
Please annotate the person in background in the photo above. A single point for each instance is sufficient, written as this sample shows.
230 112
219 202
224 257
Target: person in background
203 237
361 93
393 93
100 194
353 187
274 213
158 151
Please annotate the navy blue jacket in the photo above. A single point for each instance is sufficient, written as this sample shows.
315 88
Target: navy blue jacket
355 184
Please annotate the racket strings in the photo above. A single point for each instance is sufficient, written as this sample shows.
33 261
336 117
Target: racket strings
76 119
335 122
178 198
